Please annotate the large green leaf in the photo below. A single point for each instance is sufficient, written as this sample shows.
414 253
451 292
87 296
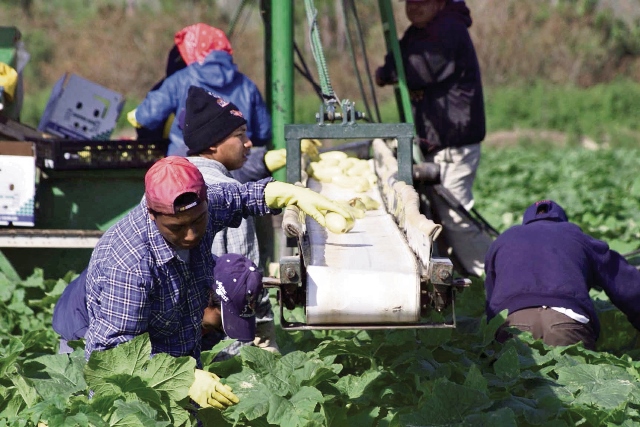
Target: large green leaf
315 371
503 417
254 400
126 358
135 414
55 375
297 411
173 375
355 386
261 361
507 367
604 386
474 379
448 403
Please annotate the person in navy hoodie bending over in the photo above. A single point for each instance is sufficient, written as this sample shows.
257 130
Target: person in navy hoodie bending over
542 271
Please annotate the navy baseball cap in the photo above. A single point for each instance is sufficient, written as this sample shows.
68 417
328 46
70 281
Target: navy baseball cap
238 286
544 209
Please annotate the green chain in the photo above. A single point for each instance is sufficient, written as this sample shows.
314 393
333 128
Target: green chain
318 53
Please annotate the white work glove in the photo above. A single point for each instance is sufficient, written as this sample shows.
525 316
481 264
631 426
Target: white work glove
279 195
208 391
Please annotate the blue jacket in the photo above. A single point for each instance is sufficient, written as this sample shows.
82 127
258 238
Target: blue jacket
550 261
217 74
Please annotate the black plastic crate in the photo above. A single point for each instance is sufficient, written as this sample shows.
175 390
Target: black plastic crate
67 154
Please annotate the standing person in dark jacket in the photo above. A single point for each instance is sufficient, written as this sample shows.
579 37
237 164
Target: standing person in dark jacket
443 77
542 271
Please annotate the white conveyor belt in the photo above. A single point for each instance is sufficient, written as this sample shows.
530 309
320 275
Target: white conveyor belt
368 275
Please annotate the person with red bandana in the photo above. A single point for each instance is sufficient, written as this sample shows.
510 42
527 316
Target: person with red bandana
207 54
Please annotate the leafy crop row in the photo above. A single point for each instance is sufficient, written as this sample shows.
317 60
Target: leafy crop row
599 189
394 378
428 377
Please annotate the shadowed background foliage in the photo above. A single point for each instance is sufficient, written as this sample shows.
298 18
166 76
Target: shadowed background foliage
564 65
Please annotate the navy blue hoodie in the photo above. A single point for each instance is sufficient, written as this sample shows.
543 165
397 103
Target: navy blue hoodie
444 78
550 261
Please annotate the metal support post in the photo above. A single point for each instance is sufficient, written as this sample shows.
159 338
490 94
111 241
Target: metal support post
391 39
282 71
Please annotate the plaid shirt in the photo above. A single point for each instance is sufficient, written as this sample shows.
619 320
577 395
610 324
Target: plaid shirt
242 240
136 283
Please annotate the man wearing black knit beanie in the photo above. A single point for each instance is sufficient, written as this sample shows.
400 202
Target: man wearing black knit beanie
215 133
208 120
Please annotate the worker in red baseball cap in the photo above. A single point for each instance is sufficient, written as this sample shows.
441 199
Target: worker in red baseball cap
151 272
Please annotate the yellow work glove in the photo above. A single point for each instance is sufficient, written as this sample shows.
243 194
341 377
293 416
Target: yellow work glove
208 391
8 80
310 148
167 126
131 118
279 195
275 159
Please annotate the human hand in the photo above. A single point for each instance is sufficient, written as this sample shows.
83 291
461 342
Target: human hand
208 391
279 195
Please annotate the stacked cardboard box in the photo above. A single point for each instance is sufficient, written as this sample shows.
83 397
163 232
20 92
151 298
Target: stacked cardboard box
81 109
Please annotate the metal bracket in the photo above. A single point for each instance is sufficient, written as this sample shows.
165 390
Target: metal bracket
348 112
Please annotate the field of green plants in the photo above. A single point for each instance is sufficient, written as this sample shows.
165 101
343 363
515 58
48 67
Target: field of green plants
438 377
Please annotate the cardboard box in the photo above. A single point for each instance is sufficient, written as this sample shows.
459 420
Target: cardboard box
81 109
17 183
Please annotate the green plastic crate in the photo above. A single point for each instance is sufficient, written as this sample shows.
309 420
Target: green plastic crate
9 36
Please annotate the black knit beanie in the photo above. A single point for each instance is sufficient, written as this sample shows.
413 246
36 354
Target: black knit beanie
208 120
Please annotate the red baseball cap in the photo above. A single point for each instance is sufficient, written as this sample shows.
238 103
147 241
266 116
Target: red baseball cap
168 179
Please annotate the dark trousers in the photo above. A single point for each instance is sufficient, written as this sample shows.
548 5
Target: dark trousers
552 327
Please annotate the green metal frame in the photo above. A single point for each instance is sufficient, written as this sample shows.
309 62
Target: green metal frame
403 132
279 77
281 83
